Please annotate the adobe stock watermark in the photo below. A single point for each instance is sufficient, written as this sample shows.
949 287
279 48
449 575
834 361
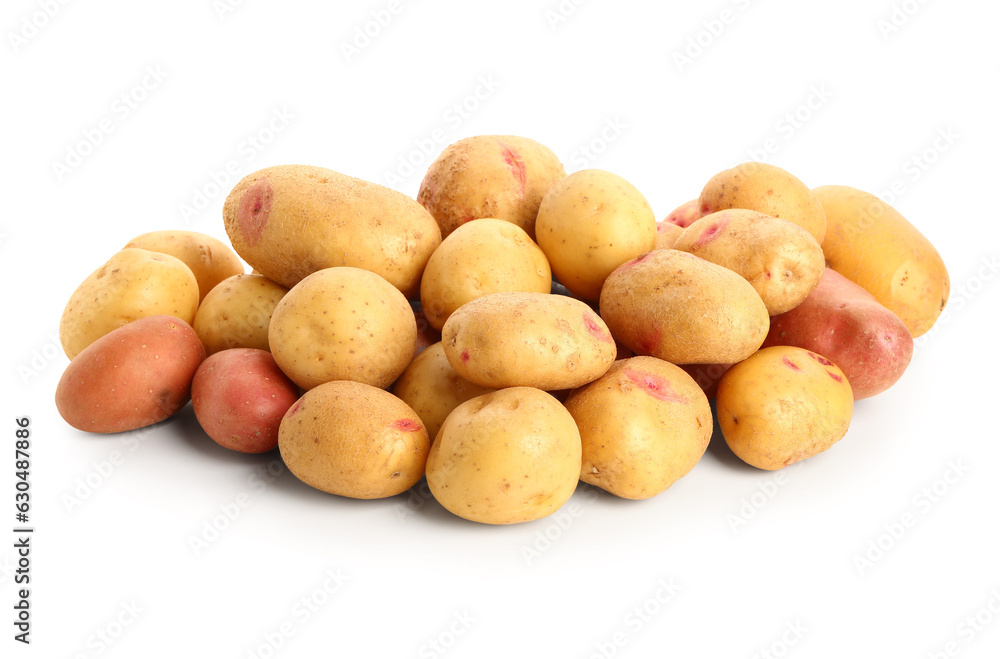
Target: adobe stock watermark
637 618
756 501
970 628
787 127
366 33
707 35
102 471
790 636
584 156
439 645
38 358
121 108
558 523
32 24
921 503
223 8
919 163
961 295
559 14
104 637
898 17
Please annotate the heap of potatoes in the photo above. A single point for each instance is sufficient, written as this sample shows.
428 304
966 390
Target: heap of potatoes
510 332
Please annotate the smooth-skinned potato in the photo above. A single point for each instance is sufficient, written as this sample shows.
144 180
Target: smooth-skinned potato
210 259
685 214
237 312
666 234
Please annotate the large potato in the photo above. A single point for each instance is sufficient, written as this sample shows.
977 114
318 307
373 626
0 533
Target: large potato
210 259
683 309
237 313
342 324
354 440
871 244
133 284
528 339
506 457
590 223
289 221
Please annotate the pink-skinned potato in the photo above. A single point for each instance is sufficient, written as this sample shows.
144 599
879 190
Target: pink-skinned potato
686 214
132 377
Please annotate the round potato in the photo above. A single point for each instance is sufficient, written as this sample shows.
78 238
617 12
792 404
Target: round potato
353 440
686 214
505 457
782 405
210 259
478 258
666 234
643 424
133 284
343 324
237 313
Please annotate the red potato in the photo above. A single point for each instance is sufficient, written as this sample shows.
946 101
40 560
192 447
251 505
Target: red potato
707 376
239 397
845 323
132 377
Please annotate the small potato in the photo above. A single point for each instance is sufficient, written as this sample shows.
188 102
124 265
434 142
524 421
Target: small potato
353 440
782 405
210 259
134 376
478 258
666 234
239 397
781 260
133 284
643 424
237 312
683 309
528 339
343 324
506 457
686 214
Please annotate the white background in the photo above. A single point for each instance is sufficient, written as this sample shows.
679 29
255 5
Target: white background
731 561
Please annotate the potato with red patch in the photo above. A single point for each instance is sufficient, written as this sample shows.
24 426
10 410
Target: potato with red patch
686 214
666 234
132 377
644 424
237 313
210 259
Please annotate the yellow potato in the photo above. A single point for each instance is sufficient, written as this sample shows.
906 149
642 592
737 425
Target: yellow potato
590 223
506 457
210 259
782 405
874 246
133 284
666 234
237 312
354 440
342 324
481 257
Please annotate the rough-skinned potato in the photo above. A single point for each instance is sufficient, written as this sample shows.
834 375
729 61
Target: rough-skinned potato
237 312
666 234
685 214
209 259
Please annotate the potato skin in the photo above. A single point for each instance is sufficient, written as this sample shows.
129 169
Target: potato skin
237 312
239 397
846 324
505 457
134 376
528 339
871 244
353 440
683 309
133 284
589 223
289 221
782 405
666 234
210 259
644 424
686 214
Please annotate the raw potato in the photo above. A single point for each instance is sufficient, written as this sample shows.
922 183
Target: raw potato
767 189
237 312
354 440
506 457
478 258
590 223
499 176
528 339
343 324
782 405
133 284
707 376
781 260
871 244
683 309
289 221
686 214
643 424
666 234
210 259
132 377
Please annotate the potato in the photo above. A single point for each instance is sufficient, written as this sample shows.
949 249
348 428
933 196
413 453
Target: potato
134 376
685 214
874 246
666 234
707 376
289 221
237 312
767 189
133 284
782 405
353 440
683 309
528 339
590 223
239 397
505 457
210 259
843 322
643 425
781 260
498 176
343 324
481 257
433 388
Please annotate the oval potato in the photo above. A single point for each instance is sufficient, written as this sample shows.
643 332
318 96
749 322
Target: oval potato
210 259
237 313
